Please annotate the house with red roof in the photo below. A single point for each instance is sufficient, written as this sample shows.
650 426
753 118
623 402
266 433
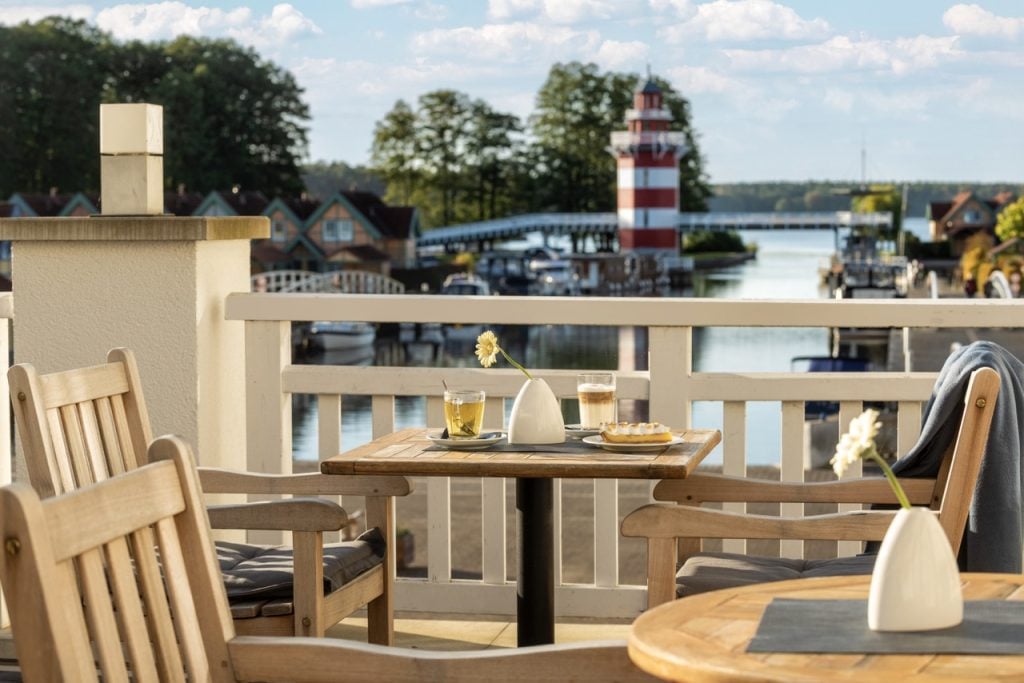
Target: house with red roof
964 216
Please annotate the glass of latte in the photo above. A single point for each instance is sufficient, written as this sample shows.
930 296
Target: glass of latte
596 392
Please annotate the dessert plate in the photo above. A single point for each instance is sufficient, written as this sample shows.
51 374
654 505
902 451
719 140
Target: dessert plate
578 432
485 440
599 441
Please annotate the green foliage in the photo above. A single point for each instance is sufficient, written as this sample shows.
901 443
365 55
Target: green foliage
704 241
230 118
460 160
1010 222
880 199
52 74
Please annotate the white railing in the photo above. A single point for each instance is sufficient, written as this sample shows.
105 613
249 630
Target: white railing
347 281
769 220
671 387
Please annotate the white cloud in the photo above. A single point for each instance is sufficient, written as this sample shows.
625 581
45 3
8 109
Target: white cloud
701 79
284 24
364 4
160 20
684 9
740 20
15 14
899 56
506 9
614 54
562 11
838 99
431 12
508 42
974 20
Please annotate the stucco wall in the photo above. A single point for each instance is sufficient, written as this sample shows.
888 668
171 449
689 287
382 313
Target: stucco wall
164 300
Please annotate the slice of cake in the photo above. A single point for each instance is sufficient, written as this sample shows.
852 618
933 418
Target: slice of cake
635 432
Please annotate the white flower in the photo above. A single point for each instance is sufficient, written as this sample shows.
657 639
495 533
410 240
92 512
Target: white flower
857 442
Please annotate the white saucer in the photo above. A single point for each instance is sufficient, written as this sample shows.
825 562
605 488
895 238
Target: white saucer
485 440
631 447
578 432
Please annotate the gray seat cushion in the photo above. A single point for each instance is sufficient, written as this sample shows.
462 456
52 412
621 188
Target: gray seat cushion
712 571
259 578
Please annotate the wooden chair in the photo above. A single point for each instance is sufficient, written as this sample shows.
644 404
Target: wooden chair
664 524
85 425
94 576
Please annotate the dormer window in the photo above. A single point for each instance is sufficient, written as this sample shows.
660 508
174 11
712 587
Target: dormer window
337 230
278 231
972 216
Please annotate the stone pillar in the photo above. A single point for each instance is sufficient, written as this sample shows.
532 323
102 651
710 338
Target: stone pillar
156 285
153 283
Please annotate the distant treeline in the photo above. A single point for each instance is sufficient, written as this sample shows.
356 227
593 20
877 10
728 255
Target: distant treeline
833 195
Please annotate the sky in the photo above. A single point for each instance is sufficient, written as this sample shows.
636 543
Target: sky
779 90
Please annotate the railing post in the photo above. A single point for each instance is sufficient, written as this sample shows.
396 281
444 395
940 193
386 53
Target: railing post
671 365
268 408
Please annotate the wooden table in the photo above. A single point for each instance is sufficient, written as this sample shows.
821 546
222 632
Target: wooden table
704 638
409 452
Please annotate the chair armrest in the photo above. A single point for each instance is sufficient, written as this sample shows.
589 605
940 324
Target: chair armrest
707 488
319 660
215 480
279 515
660 520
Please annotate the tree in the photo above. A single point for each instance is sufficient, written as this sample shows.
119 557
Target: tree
442 123
230 118
490 146
395 155
52 76
1010 222
574 119
881 198
578 107
694 184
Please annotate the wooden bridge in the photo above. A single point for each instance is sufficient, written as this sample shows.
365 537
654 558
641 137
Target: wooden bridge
344 281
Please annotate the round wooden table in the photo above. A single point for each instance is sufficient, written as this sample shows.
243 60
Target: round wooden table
704 638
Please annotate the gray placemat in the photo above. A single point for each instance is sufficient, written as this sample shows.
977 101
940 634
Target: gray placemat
990 627
503 446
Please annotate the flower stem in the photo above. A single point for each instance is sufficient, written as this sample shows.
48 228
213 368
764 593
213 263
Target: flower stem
887 471
515 364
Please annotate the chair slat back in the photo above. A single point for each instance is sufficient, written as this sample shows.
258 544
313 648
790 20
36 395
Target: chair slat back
958 476
80 426
94 576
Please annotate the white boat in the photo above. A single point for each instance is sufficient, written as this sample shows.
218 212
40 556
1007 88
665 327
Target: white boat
340 336
464 284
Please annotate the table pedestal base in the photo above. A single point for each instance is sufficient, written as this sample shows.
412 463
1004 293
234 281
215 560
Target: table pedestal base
535 591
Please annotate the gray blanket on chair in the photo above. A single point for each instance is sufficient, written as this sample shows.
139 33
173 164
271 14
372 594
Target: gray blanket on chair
992 541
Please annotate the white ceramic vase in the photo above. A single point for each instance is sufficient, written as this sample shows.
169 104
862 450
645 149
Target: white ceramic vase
536 416
915 585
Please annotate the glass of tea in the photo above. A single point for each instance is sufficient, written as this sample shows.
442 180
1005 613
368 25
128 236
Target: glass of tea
596 392
463 413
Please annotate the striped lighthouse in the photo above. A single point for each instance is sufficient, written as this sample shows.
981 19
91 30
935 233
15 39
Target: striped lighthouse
647 156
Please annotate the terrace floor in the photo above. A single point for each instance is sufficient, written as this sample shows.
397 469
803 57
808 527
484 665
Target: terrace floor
454 632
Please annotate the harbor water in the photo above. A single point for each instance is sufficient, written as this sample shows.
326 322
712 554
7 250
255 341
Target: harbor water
786 268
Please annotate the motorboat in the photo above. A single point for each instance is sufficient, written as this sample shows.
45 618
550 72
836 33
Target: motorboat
464 284
340 336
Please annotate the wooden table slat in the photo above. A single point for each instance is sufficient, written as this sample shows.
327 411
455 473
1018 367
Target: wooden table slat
406 452
704 638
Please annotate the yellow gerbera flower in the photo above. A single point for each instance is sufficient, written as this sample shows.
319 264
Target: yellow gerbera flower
487 349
